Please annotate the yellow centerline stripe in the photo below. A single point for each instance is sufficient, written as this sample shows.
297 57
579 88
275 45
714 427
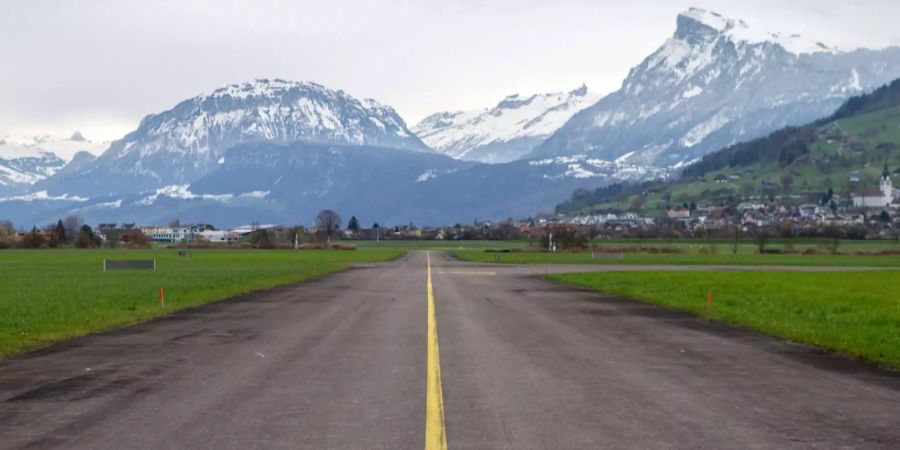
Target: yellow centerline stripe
435 433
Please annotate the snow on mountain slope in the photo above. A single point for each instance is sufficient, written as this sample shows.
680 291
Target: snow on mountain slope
28 170
34 146
190 140
716 82
505 132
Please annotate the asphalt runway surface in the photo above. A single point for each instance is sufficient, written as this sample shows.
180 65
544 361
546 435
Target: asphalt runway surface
341 362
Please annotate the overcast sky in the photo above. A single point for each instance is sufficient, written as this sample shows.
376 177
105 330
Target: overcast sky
99 66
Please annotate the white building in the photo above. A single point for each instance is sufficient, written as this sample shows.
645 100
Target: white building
880 197
247 229
219 237
166 234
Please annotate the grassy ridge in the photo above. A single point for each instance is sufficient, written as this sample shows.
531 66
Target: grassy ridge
857 314
51 295
823 163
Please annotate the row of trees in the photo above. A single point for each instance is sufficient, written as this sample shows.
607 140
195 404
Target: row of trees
50 236
68 227
774 239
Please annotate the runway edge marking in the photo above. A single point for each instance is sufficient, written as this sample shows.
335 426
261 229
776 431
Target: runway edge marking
435 433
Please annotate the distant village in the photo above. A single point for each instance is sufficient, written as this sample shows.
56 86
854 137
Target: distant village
72 232
868 213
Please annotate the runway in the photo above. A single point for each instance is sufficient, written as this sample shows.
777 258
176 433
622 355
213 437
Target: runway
342 362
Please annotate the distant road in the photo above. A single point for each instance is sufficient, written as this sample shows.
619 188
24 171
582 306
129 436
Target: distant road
343 362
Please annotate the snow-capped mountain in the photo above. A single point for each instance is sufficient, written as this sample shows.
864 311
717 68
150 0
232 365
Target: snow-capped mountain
64 148
26 161
189 141
19 174
504 132
31 169
716 82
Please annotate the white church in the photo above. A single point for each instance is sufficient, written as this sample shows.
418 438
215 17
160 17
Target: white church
880 197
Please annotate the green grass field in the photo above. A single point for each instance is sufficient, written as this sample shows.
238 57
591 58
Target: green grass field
51 295
749 245
856 314
697 252
680 259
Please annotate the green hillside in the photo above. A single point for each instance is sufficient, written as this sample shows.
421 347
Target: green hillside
842 153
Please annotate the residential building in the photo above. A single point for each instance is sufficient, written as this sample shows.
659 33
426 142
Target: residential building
678 213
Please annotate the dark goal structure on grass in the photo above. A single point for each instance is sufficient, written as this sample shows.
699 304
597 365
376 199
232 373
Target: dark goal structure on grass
129 264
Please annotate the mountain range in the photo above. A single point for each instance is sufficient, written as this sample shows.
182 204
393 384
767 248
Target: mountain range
277 151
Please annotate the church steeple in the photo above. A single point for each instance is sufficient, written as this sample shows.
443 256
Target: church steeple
887 190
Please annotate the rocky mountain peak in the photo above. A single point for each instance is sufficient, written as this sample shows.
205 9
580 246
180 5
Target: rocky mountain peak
581 91
77 137
698 26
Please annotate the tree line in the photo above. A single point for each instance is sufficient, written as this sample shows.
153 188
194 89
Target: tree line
68 232
887 96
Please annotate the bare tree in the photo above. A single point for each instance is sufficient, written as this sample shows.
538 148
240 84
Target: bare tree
7 231
834 234
787 180
112 238
86 238
328 223
53 238
762 237
6 228
736 240
73 226
34 239
636 203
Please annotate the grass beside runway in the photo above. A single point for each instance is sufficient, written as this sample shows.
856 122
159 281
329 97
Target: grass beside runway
686 258
853 313
51 295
